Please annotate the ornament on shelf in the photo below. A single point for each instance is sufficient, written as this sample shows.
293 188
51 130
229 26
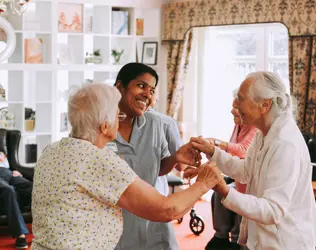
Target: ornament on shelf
117 55
94 57
7 119
18 6
2 93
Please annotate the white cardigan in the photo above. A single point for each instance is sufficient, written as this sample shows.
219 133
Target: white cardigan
279 196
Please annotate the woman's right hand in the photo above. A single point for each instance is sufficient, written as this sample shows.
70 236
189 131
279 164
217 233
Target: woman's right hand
210 175
203 145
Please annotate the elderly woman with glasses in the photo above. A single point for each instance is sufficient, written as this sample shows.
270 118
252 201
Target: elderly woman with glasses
80 185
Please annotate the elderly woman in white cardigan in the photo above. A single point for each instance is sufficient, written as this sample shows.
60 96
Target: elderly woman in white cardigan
278 209
80 185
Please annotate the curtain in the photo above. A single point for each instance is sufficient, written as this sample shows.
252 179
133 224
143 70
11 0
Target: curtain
177 65
302 56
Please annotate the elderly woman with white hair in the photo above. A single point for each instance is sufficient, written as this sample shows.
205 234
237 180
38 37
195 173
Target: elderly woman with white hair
80 185
278 209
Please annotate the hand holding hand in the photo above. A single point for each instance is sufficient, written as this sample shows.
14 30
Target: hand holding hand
188 155
203 145
209 174
16 173
190 172
210 140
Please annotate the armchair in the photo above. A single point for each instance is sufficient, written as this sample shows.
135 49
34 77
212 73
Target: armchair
9 144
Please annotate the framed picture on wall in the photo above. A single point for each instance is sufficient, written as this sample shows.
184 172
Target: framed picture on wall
70 17
150 51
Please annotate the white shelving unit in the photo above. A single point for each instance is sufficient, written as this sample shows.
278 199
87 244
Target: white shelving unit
45 87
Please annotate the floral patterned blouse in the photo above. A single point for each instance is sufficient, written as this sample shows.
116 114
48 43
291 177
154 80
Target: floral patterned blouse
76 188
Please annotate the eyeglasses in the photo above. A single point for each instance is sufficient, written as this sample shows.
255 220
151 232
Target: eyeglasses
121 116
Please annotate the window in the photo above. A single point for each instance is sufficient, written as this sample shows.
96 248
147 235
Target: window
222 57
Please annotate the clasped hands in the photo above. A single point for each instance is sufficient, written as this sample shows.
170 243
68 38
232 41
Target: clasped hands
209 173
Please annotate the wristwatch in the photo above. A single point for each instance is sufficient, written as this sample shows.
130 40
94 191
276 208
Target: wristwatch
217 142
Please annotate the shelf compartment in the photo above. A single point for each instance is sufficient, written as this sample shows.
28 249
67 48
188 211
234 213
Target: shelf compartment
151 19
17 56
46 46
43 120
101 43
15 86
72 46
38 16
129 46
97 19
18 112
118 18
43 87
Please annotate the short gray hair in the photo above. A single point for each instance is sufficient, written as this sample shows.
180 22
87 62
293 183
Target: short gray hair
89 107
268 85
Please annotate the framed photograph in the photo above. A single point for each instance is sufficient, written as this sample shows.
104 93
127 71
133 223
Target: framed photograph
149 55
70 17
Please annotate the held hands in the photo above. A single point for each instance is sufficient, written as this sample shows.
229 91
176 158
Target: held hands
16 173
188 155
190 172
203 145
210 175
214 172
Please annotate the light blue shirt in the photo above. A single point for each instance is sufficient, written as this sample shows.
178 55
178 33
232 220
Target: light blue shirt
172 135
144 152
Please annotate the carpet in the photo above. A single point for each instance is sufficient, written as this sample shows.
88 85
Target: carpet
186 239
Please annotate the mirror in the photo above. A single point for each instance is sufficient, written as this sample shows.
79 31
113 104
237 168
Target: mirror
7 39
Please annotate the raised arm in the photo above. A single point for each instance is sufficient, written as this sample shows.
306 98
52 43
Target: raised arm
143 200
230 165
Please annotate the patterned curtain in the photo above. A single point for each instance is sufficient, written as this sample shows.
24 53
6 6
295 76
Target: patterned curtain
177 65
302 55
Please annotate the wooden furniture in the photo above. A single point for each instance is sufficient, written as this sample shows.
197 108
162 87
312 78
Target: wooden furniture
314 188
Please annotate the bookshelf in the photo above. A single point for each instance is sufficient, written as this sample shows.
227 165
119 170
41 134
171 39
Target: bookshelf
45 87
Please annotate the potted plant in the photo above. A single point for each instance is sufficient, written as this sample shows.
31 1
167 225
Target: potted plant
117 55
95 57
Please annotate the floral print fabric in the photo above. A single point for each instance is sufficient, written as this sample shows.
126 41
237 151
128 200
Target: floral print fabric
76 188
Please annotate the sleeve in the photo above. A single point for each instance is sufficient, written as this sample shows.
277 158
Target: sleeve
108 177
172 136
163 143
236 168
280 180
239 149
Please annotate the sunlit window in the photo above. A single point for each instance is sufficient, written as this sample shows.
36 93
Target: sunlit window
223 56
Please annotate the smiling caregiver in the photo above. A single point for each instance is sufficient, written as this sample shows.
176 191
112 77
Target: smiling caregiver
141 143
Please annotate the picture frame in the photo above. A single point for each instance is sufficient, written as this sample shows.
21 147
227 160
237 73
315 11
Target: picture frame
70 17
150 52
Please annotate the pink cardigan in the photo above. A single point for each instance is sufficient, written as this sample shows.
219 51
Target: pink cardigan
240 141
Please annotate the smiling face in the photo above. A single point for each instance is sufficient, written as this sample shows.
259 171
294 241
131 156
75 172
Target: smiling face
136 96
235 113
